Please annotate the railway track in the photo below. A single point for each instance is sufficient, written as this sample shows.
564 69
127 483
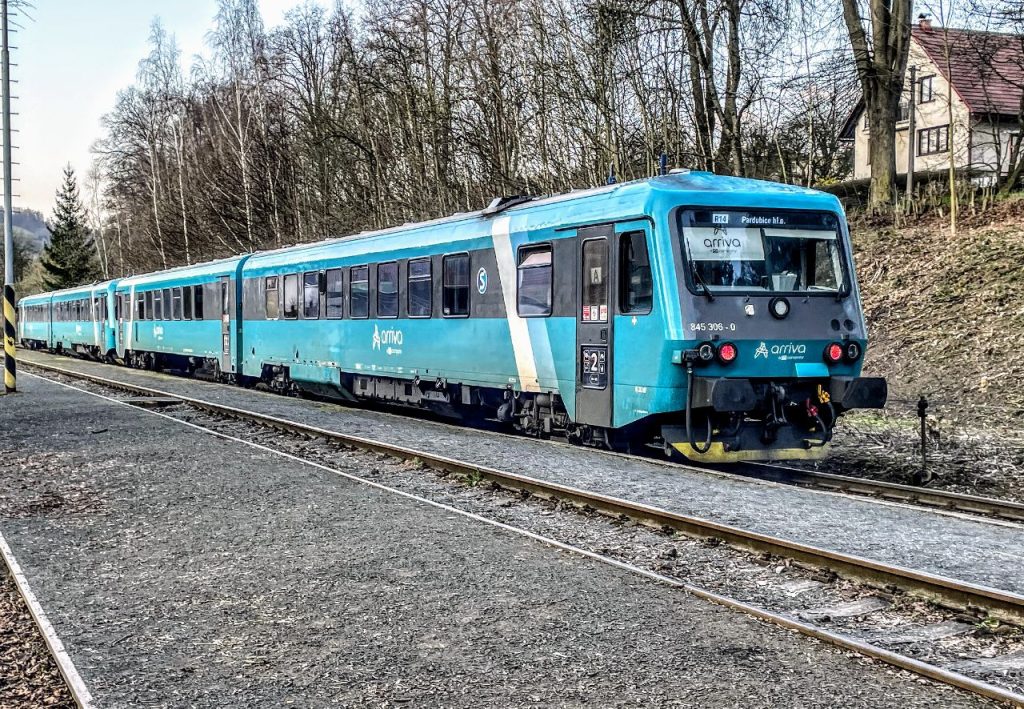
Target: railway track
946 592
893 492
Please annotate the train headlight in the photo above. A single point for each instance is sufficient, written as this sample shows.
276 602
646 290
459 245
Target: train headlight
706 352
833 353
852 353
727 353
779 308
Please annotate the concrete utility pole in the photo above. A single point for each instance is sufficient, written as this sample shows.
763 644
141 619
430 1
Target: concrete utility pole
10 363
911 133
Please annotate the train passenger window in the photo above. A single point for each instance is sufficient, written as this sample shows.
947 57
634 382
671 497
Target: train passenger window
311 295
186 303
198 303
533 283
176 303
291 295
595 280
158 310
271 298
420 289
387 290
150 306
636 287
359 292
167 303
455 283
335 294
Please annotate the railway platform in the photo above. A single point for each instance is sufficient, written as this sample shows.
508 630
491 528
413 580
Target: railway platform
983 552
184 569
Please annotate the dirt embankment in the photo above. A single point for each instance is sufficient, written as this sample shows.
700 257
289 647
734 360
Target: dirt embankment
946 313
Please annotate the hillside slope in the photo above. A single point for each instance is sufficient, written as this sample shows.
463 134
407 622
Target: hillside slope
946 314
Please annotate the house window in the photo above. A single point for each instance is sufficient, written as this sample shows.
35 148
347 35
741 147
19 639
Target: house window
387 290
533 287
359 292
420 289
455 283
291 296
933 140
271 302
335 294
311 295
925 89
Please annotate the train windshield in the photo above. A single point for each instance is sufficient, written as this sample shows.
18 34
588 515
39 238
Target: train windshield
790 252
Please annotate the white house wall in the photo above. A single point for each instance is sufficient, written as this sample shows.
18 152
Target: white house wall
927 115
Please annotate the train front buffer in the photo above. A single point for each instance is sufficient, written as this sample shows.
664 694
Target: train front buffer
773 334
767 400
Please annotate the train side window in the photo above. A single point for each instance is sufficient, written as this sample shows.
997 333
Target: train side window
198 298
636 286
158 309
311 295
176 303
335 294
420 289
167 303
150 313
455 291
186 303
534 283
387 290
595 280
273 305
359 292
291 296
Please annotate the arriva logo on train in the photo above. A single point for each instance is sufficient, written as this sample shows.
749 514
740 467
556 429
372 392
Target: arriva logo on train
789 350
387 339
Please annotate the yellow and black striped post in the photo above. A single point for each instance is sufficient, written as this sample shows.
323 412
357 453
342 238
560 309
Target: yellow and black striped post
10 364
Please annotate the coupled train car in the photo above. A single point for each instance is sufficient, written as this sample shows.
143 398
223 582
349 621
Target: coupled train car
716 317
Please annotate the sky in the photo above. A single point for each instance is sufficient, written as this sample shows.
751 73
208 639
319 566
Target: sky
72 57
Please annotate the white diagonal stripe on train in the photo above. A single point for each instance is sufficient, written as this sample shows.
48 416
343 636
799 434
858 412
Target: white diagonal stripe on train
518 328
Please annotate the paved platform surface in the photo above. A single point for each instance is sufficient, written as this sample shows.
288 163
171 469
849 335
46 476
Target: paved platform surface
970 550
181 569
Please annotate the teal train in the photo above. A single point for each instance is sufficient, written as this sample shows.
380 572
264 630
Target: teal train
714 317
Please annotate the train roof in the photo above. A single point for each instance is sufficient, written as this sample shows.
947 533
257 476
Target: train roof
627 200
68 293
220 267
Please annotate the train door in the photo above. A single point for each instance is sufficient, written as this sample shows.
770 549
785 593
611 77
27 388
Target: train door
119 317
225 323
595 286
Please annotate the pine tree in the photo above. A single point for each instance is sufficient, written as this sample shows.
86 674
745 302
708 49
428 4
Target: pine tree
70 259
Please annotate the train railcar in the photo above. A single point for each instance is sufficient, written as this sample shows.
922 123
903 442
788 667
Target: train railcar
82 320
34 321
715 316
184 318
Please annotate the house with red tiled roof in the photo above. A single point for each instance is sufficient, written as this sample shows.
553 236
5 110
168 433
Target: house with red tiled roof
966 104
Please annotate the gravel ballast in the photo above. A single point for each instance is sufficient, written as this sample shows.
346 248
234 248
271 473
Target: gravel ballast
971 550
182 569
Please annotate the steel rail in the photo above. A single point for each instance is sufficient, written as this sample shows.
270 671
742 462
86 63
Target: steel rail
894 492
928 499
952 593
655 517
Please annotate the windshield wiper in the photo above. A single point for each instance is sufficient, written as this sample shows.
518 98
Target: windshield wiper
704 286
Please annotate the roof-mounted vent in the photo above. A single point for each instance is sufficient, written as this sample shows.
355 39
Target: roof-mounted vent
500 204
679 171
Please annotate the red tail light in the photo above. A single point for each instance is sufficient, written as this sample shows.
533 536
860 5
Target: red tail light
727 353
834 353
